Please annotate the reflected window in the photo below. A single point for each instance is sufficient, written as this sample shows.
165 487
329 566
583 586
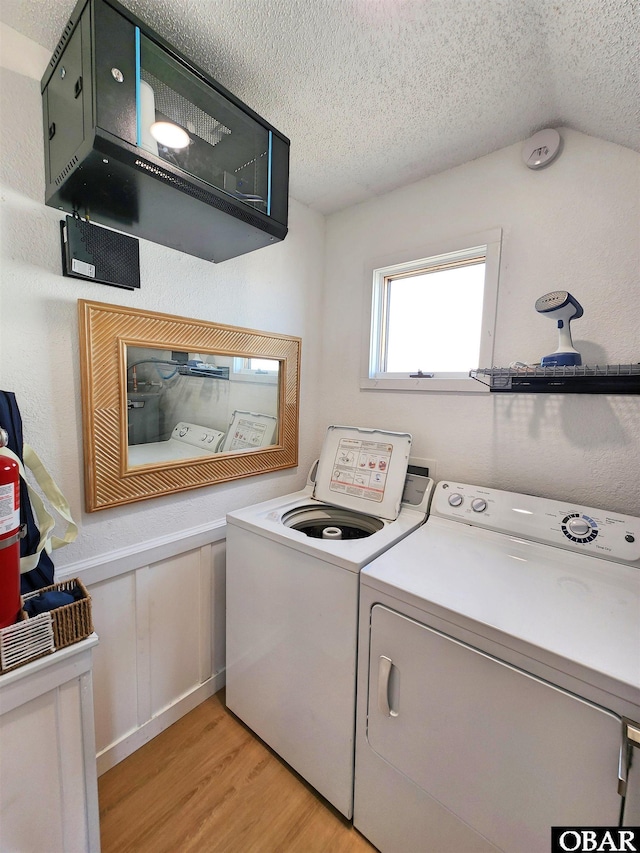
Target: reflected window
256 369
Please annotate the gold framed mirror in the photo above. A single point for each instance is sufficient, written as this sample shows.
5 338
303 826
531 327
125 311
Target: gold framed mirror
172 403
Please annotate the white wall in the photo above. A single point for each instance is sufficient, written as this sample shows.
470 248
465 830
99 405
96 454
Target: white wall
571 226
275 289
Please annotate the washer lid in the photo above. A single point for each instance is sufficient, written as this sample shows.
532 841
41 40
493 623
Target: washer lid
363 469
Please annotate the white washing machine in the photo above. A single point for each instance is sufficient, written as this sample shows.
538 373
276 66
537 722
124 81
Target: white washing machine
292 599
499 676
186 441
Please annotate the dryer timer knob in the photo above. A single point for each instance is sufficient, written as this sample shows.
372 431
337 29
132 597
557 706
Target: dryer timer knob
455 499
579 527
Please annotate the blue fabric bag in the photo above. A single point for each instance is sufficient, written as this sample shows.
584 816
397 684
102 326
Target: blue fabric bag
42 575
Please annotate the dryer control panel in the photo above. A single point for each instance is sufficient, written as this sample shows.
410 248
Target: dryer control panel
610 535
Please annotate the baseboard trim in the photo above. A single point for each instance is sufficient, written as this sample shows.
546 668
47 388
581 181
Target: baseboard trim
117 752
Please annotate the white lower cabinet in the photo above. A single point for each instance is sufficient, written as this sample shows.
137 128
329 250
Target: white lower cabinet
48 777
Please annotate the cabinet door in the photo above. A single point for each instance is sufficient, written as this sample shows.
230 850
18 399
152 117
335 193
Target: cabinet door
48 782
508 754
115 72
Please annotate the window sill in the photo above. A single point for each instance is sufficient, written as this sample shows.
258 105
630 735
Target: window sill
464 385
252 376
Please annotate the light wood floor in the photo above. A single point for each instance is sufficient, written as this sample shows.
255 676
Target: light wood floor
208 784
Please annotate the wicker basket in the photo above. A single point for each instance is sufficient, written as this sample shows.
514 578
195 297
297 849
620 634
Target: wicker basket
71 622
41 635
25 641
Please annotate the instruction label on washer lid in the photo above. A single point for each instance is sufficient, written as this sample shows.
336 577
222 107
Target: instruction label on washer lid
248 434
360 468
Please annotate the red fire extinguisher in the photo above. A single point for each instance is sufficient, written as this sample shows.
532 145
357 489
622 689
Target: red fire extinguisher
9 536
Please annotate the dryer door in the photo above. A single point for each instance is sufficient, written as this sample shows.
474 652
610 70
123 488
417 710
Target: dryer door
508 754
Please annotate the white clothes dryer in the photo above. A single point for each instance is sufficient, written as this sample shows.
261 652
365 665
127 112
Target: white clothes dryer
292 599
499 676
185 442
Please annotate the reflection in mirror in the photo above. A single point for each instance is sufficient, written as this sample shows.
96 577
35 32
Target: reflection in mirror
185 405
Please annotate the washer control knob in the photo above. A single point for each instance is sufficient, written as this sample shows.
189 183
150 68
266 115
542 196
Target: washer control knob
183 431
455 499
478 504
578 526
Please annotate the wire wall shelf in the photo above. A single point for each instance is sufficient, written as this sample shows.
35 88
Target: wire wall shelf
575 379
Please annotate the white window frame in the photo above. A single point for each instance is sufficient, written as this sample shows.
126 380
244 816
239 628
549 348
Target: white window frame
240 373
489 244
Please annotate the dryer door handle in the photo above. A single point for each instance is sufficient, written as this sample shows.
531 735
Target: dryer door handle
630 740
385 665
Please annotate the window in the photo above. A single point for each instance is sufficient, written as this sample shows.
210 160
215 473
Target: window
256 369
432 319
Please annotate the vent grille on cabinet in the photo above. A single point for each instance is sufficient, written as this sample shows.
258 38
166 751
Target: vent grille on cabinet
68 168
64 38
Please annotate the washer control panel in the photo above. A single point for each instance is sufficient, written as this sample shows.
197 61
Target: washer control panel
612 536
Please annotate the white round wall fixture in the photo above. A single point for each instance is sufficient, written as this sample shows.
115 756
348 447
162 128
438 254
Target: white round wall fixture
541 149
169 134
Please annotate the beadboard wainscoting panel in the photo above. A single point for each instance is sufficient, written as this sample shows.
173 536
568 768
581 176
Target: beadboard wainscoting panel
173 628
115 664
159 612
218 609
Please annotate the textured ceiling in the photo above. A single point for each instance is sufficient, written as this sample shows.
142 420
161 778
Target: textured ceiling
375 94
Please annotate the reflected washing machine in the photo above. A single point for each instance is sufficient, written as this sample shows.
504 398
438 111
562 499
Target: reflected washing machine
293 568
186 442
499 676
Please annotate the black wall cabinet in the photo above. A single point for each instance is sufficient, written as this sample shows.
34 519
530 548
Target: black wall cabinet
111 93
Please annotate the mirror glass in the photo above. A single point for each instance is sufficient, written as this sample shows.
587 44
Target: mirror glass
183 405
171 403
